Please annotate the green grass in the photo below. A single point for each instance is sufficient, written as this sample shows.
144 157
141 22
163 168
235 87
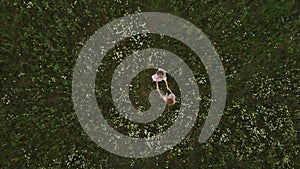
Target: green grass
258 44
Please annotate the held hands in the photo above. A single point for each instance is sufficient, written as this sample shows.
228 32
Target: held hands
157 88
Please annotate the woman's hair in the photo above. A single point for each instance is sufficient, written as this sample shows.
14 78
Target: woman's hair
160 74
170 101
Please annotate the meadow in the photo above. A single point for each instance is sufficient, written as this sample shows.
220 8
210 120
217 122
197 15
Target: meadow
258 44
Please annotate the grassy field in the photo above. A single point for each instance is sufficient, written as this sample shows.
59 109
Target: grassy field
258 44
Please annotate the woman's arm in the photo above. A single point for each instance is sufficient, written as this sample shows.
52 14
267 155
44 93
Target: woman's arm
168 87
157 88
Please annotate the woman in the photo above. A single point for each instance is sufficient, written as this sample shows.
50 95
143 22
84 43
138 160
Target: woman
159 75
169 99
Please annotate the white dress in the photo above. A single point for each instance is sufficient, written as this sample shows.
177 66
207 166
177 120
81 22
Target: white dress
168 96
155 77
